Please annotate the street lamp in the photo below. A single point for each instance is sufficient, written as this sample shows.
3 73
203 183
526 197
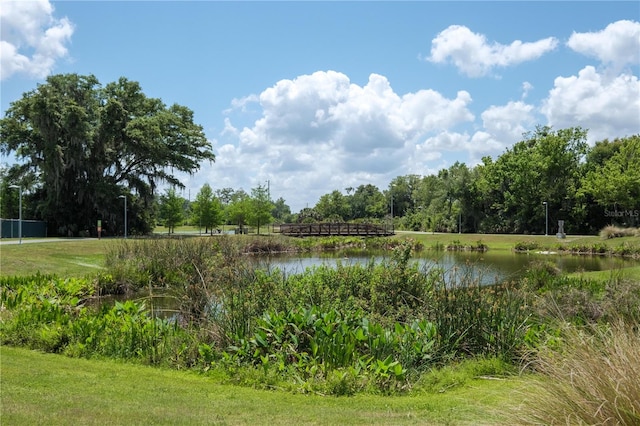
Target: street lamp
546 218
125 215
19 188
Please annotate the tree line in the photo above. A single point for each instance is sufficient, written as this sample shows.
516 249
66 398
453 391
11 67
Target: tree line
550 175
82 147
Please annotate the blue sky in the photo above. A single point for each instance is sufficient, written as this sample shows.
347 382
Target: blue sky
318 96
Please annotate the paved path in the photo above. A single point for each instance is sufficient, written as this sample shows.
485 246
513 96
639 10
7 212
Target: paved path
40 240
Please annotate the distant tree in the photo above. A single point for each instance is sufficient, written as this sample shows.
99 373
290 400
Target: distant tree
281 211
207 209
401 191
308 215
9 198
368 202
225 195
333 207
261 206
171 209
616 185
239 209
81 145
546 166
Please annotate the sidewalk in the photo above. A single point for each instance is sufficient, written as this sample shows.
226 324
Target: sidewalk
40 240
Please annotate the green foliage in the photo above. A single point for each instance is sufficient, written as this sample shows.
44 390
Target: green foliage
617 183
260 207
377 326
207 209
81 145
171 209
526 246
587 187
591 377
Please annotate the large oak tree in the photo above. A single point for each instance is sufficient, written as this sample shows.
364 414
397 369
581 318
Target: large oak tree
79 146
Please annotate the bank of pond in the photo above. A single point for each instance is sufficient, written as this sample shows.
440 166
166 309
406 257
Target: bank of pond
340 324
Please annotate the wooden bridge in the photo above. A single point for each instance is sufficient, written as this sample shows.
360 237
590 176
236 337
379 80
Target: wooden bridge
329 229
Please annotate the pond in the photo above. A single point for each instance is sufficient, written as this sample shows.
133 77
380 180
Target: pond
488 267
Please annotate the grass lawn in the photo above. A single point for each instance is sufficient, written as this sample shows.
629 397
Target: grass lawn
55 390
632 273
65 258
506 242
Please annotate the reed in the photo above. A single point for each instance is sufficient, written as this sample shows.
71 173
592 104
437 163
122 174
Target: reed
593 377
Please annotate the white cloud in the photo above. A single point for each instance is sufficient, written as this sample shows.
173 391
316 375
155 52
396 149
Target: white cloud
32 38
526 88
608 106
617 45
474 56
508 122
321 131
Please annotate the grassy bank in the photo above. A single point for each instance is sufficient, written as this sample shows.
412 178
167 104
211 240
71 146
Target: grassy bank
72 257
55 390
78 258
358 330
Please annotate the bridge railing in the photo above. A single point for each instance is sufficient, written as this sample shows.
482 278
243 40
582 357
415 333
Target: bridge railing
330 229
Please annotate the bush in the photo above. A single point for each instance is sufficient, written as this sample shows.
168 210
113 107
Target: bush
592 378
613 231
526 246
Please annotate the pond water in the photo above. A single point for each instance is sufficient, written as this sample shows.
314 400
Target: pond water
488 267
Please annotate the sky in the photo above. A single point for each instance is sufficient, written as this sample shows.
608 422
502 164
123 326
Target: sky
312 97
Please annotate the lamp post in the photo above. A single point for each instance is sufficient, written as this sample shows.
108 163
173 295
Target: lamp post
19 188
125 215
392 206
546 218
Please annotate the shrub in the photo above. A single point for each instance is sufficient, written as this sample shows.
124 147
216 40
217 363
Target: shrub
526 246
593 378
612 231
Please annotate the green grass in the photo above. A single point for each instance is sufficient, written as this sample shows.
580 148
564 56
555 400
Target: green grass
632 273
495 241
54 390
68 258
78 258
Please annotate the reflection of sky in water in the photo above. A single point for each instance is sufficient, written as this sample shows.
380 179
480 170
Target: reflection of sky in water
486 268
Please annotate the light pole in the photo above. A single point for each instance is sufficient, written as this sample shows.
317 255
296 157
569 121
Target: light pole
19 188
546 218
125 215
392 206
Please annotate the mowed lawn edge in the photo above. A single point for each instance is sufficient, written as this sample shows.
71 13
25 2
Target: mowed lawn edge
51 389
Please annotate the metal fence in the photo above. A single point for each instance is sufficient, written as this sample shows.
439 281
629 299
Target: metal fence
10 228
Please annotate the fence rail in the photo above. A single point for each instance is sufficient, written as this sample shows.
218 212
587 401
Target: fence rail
330 229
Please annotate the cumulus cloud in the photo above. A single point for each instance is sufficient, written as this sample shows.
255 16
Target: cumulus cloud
617 45
474 56
321 130
32 38
507 123
607 106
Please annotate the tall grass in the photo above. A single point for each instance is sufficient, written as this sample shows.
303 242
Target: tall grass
377 325
592 378
612 231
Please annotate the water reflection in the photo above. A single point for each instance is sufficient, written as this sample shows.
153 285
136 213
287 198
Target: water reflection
487 268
